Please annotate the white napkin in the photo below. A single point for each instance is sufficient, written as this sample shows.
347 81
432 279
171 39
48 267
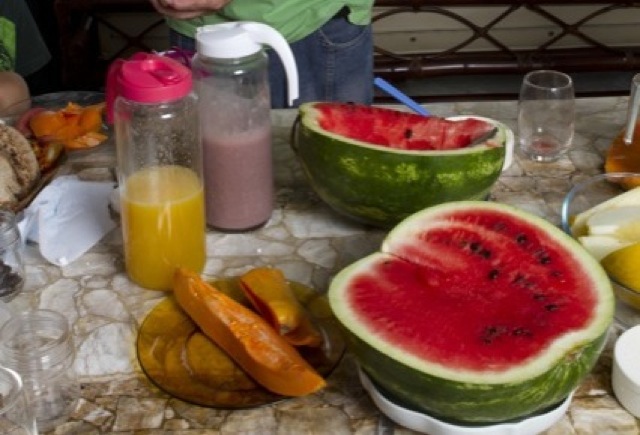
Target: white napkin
68 217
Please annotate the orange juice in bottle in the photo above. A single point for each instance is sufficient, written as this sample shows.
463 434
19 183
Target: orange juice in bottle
154 110
163 224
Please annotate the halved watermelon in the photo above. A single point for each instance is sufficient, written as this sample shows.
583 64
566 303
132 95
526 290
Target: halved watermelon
379 165
475 312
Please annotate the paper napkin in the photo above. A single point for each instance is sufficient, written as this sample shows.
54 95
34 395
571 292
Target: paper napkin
68 217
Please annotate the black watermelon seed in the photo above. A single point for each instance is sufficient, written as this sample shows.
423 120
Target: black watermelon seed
551 307
518 279
408 133
521 239
493 274
522 332
491 333
499 226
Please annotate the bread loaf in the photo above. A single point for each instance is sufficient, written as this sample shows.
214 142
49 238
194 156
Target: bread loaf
19 169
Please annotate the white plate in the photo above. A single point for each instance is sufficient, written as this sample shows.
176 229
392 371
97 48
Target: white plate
426 424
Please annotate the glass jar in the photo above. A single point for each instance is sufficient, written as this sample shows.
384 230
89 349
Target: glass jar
12 273
37 344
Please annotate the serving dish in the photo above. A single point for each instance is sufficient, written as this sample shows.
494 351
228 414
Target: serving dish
161 349
585 195
427 424
54 101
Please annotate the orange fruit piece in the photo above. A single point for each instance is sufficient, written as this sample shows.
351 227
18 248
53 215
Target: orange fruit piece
271 295
74 126
246 337
46 123
91 118
87 140
625 158
70 130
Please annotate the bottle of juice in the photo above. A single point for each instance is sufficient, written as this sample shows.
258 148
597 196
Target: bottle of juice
231 75
154 110
623 154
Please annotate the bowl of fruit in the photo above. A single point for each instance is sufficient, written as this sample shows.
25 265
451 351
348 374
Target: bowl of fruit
603 213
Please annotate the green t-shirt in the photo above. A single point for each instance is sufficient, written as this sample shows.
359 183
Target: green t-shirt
22 48
294 19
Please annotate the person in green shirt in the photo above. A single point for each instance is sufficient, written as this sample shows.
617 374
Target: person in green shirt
23 53
331 41
22 48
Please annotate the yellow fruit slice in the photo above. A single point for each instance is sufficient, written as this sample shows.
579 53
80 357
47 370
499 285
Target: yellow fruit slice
246 337
627 199
622 265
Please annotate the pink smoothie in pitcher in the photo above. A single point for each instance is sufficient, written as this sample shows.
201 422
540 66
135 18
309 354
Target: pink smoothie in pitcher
238 179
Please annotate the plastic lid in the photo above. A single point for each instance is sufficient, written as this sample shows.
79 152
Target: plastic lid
149 78
626 356
225 42
239 39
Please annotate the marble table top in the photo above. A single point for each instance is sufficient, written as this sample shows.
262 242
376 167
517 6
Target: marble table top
310 244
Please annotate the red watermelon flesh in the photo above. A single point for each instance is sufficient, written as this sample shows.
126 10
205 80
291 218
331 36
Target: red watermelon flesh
397 129
476 293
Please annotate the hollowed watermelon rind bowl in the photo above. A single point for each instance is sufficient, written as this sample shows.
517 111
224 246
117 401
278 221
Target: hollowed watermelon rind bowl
475 312
381 186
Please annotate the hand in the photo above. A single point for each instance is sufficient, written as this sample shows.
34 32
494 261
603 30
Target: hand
186 9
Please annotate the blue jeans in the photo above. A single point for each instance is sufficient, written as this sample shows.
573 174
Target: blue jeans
335 63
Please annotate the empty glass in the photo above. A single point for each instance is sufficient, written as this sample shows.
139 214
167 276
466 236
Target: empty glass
16 417
37 344
546 115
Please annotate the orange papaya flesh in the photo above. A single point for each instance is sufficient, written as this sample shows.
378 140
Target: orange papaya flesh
74 126
268 291
46 123
306 334
162 348
212 366
246 337
272 296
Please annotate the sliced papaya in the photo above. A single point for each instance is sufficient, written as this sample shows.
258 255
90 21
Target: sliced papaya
87 140
163 352
246 337
74 126
271 295
212 366
46 123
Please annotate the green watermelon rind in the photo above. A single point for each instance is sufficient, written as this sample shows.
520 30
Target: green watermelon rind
381 186
456 394
475 402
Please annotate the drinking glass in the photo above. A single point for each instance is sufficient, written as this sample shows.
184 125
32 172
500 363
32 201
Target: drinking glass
546 115
16 416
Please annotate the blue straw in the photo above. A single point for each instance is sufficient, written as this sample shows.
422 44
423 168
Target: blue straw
400 96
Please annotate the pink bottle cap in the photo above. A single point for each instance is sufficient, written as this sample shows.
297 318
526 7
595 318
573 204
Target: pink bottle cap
147 78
